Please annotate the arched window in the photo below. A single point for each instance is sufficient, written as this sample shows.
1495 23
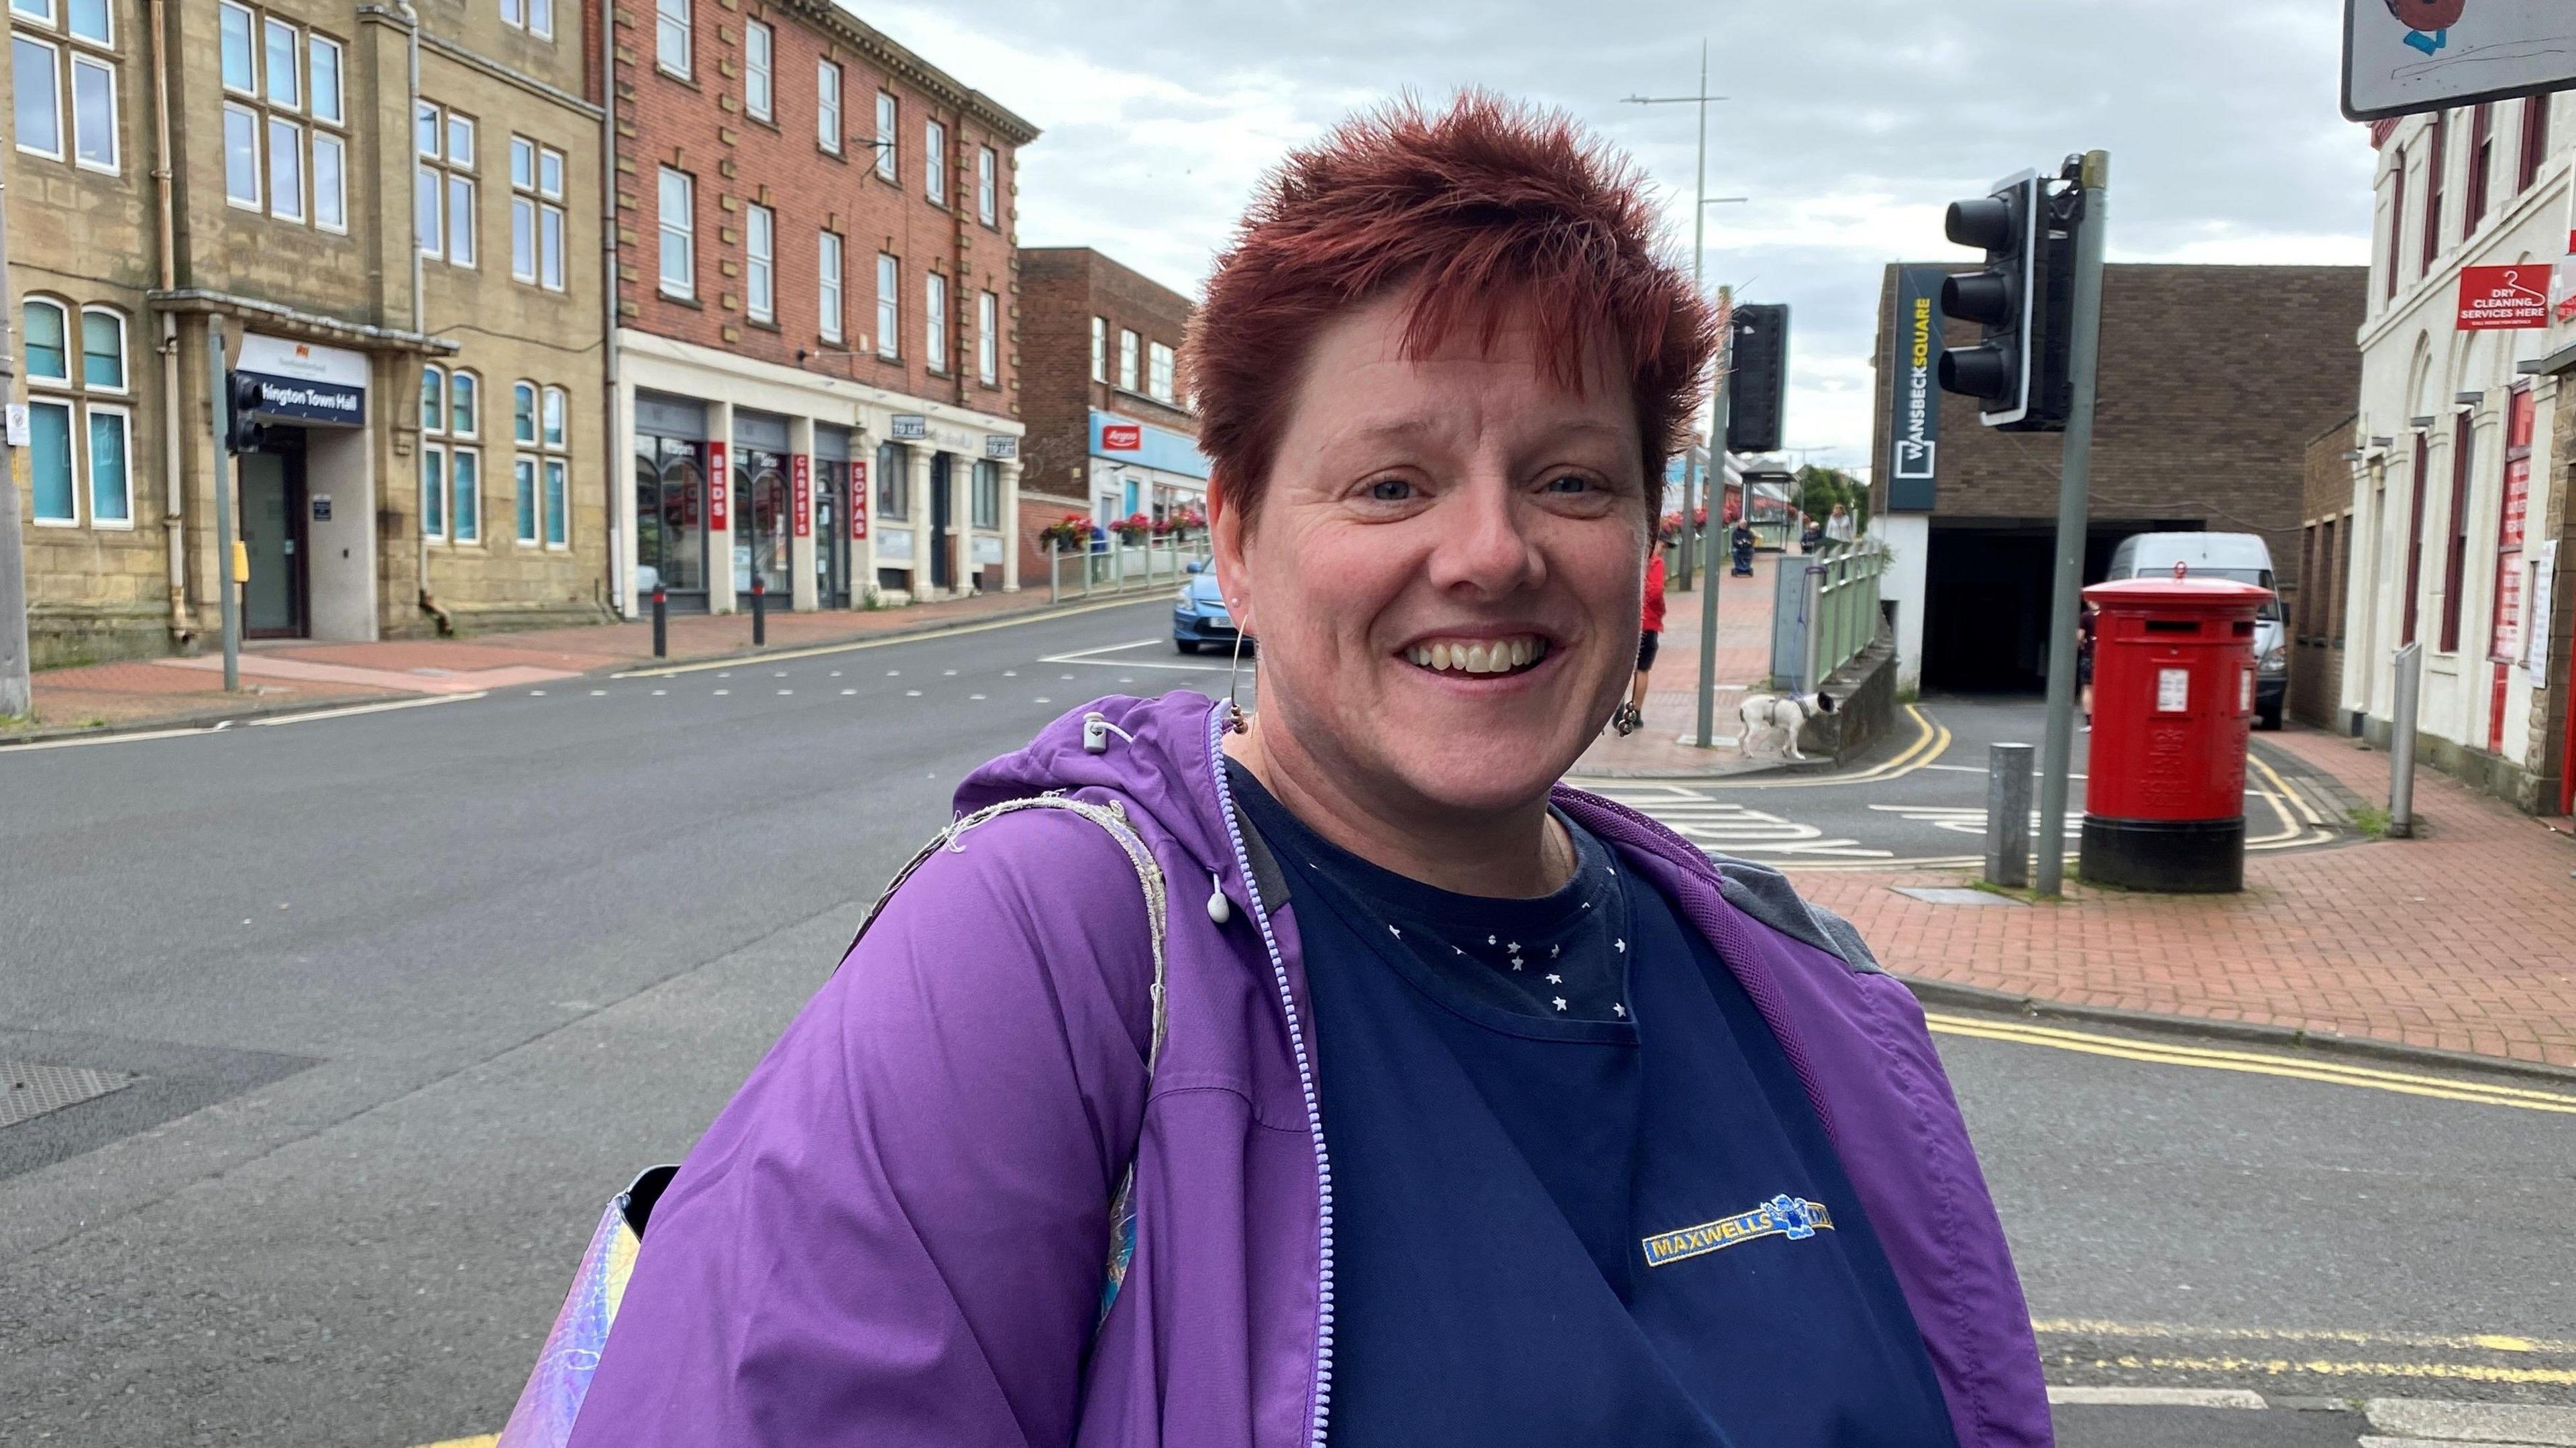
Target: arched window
78 424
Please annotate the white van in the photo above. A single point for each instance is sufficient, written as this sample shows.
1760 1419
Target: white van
2238 558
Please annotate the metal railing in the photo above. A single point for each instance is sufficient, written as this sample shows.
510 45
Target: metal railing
1115 567
1826 612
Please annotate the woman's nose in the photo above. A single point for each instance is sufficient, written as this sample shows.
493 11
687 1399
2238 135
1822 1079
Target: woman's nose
1485 543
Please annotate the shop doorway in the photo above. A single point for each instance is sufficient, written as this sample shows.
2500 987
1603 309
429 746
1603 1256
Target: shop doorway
943 509
831 533
274 602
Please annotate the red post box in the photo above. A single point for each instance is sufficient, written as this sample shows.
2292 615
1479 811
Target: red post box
2173 700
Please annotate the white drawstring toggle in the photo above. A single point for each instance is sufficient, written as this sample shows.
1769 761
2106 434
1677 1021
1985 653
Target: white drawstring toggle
1220 909
1096 730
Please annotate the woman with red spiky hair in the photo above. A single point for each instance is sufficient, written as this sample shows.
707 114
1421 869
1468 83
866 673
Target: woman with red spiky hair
1332 1074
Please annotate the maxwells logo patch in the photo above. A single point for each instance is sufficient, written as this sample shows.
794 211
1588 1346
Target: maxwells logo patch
1783 1216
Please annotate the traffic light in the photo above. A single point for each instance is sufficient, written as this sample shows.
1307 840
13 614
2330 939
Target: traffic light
2023 300
242 403
1757 387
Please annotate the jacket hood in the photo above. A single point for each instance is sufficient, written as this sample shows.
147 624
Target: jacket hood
1161 766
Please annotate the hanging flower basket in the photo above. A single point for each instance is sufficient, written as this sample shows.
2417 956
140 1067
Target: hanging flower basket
1068 534
1133 528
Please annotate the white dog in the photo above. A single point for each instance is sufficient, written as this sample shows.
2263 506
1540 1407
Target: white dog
1786 713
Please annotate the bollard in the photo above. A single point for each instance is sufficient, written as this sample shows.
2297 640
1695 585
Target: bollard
2401 743
759 611
661 622
2008 815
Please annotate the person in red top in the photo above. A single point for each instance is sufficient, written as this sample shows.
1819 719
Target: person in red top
1650 624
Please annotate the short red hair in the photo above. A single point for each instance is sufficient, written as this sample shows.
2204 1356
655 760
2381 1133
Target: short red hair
1490 210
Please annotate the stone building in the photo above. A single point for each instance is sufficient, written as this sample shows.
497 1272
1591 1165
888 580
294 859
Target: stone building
1111 429
393 221
2213 379
2459 465
815 362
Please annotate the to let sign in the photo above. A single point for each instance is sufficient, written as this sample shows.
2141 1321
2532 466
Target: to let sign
2503 298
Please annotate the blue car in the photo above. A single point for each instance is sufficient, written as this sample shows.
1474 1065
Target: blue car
1199 616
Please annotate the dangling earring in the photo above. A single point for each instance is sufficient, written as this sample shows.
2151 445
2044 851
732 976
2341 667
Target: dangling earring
1233 676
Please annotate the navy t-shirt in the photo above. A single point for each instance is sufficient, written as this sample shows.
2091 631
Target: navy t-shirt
1595 1211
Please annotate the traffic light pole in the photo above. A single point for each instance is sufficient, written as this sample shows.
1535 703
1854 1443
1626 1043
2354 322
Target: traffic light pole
2074 484
219 406
1716 487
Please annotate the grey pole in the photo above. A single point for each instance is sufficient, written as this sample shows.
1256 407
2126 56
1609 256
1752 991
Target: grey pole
17 689
2401 742
1717 470
219 406
2008 815
2074 480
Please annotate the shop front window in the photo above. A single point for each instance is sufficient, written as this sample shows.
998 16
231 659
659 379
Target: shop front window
670 514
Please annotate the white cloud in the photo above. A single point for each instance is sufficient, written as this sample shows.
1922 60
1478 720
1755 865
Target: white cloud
1851 124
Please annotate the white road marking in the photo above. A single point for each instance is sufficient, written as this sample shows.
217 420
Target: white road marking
536 693
599 693
784 692
1967 820
720 693
976 697
912 693
658 693
1725 825
845 693
353 709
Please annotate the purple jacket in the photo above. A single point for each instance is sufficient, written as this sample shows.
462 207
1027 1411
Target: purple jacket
895 1234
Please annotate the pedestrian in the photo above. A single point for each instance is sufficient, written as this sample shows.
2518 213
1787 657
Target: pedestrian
1811 533
1740 546
1468 1109
2086 624
1840 526
1631 716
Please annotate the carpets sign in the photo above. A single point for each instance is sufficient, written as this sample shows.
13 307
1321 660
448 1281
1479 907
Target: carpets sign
1914 394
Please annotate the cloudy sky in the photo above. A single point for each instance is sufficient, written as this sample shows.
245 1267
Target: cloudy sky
1851 124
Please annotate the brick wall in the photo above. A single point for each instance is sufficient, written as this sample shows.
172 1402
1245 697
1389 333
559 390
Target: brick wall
2214 379
699 126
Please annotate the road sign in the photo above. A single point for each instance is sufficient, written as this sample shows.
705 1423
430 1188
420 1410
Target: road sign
2504 298
2403 56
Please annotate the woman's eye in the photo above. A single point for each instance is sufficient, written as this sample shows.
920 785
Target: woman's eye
1390 490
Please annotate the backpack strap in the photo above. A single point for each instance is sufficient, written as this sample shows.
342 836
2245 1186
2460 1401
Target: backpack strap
1149 874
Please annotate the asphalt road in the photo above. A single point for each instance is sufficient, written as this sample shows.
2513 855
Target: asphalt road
1918 797
410 993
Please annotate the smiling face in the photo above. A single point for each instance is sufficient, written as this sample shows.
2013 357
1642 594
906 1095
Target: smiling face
1445 572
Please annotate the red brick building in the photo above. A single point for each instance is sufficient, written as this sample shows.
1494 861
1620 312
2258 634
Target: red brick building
1110 429
816 359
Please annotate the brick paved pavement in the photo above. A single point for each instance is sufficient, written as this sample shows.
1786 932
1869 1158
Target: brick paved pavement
2463 939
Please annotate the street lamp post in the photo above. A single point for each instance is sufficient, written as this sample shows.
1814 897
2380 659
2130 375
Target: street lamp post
1701 202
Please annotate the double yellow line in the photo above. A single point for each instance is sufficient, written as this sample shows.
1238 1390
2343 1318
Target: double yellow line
2253 1063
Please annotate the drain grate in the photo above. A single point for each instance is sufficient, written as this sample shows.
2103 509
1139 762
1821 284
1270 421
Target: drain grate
30 1089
